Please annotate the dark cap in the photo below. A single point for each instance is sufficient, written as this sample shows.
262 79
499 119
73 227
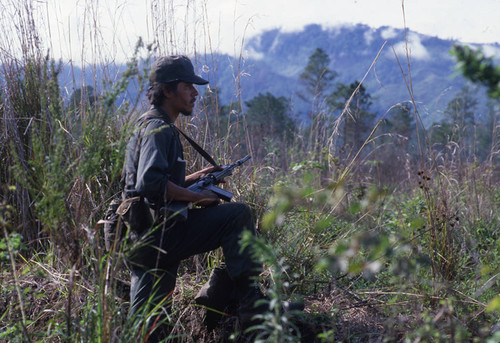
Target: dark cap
174 68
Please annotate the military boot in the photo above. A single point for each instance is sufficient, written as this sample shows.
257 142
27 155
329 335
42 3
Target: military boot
218 296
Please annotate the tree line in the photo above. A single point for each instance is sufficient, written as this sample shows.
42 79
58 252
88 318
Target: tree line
342 122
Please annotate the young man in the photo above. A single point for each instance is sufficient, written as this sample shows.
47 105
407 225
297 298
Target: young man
155 169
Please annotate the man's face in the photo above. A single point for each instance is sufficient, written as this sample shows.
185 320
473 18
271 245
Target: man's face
184 98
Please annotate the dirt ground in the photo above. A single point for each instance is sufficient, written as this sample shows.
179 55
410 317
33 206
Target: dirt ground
337 314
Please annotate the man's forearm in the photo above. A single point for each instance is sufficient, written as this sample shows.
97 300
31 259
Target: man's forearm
190 179
178 193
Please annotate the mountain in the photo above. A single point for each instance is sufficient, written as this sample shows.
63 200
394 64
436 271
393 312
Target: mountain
275 59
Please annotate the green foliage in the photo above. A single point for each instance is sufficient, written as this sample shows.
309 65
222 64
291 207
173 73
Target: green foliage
269 124
269 116
444 328
413 243
276 325
11 242
13 333
15 244
65 150
474 65
65 161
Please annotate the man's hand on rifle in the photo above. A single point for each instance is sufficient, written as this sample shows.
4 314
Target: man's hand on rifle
203 198
192 178
203 184
207 199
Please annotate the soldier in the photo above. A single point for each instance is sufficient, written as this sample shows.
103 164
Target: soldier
156 170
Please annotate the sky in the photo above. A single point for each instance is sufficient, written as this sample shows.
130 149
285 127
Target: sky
98 29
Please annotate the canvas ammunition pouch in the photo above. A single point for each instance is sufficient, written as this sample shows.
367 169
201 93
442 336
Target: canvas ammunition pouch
132 215
136 214
114 227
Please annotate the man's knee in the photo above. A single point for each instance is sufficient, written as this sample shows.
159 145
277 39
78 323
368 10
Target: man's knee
243 215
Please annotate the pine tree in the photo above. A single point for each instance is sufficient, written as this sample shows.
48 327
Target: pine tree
317 76
358 120
269 122
317 79
458 124
269 115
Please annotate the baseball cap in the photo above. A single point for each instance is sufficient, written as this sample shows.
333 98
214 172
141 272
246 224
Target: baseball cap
174 68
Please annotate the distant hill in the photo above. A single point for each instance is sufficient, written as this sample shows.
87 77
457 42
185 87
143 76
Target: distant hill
272 62
275 60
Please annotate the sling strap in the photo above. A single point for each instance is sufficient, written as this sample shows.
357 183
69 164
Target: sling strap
196 146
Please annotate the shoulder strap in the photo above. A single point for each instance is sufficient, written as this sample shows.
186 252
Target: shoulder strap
196 147
199 149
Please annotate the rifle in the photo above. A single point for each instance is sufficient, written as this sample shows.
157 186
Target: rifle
208 182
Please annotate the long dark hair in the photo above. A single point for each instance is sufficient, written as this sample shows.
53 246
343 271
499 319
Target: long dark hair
155 92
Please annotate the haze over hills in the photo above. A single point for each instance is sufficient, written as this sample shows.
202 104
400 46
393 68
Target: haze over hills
276 59
273 61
